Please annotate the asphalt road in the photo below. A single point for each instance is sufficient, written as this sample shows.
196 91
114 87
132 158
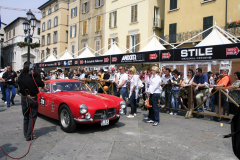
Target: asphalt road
174 138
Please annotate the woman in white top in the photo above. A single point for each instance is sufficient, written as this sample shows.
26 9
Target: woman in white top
133 92
187 82
154 92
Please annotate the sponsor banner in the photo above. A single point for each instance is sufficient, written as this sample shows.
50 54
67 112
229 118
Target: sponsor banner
166 55
140 57
101 60
228 51
47 64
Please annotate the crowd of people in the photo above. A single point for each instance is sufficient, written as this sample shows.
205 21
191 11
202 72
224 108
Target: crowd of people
152 84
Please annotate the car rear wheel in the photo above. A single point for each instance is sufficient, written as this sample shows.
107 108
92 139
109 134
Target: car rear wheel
66 120
114 121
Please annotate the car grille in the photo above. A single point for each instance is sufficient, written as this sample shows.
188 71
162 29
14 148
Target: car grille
104 113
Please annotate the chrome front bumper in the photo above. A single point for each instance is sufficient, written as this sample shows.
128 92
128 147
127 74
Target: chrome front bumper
89 120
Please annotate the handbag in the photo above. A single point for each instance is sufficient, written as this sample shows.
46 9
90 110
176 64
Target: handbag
146 104
184 91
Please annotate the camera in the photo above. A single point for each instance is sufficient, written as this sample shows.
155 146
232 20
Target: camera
33 69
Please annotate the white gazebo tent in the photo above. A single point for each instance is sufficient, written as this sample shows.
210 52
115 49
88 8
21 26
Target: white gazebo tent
50 58
214 38
113 50
66 56
86 53
154 44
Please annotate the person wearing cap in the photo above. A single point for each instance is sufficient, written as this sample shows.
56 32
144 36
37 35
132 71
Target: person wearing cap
200 80
221 81
2 86
60 74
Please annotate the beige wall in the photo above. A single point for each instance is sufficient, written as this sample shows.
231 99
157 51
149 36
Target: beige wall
144 24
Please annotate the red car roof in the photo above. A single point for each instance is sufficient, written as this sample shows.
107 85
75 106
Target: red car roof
61 80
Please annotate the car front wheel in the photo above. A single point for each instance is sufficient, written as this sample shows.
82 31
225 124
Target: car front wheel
66 120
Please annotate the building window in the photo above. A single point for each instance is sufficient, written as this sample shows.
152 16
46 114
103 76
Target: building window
6 36
84 27
67 36
98 27
55 52
85 7
97 46
98 3
56 7
84 45
48 38
74 12
134 12
172 33
73 49
9 34
67 19
49 10
38 31
48 53
133 43
207 23
55 23
73 31
13 32
113 19
55 36
43 26
42 56
156 17
43 14
49 24
173 4
113 40
43 41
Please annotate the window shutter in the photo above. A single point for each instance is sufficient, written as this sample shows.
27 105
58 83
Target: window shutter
128 43
101 2
110 19
109 43
50 24
96 3
98 23
56 37
87 6
117 41
115 19
207 23
83 8
138 41
75 11
172 32
85 27
57 21
71 13
70 31
135 18
132 7
75 30
175 3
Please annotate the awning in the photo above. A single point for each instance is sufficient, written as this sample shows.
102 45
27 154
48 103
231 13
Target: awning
113 50
153 45
214 38
50 58
66 56
86 53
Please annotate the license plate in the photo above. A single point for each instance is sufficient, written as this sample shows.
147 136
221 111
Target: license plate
105 122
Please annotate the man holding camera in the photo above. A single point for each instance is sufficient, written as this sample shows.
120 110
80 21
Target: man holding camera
29 81
9 79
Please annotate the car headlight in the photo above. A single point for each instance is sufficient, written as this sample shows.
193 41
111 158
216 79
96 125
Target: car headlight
83 109
123 104
88 116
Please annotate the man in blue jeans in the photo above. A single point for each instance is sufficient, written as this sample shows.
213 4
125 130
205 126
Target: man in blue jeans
9 79
122 85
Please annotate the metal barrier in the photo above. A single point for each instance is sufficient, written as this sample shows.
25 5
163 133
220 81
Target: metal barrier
190 109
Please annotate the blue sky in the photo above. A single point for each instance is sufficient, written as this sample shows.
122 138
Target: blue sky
8 16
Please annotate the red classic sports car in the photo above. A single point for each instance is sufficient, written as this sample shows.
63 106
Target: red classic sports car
68 102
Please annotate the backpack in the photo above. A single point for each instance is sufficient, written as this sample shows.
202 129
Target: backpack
235 129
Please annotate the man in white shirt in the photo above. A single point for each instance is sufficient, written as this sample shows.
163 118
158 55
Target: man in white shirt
122 85
60 74
1 83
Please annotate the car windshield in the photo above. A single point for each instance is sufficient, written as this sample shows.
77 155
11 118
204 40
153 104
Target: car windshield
67 86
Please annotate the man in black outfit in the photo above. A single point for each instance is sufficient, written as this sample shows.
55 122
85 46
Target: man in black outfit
29 92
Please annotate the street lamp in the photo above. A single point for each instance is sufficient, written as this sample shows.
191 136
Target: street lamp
27 25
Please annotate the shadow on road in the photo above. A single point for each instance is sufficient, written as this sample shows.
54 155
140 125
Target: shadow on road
44 130
7 148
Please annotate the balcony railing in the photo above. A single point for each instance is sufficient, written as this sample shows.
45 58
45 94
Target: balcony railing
183 36
17 39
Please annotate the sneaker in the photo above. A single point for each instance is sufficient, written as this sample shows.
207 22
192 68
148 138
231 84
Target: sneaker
145 118
135 114
8 106
171 113
130 116
150 121
155 123
13 103
175 114
5 102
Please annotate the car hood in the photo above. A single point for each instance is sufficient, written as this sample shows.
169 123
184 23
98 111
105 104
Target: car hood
89 98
